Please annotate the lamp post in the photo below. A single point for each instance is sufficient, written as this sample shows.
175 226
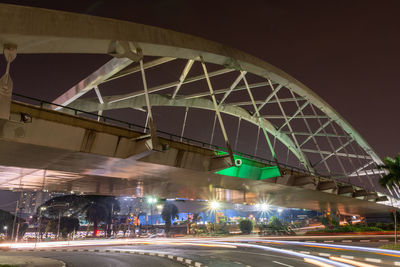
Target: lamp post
14 222
5 229
40 223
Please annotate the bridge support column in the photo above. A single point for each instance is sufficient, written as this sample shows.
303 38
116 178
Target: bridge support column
6 84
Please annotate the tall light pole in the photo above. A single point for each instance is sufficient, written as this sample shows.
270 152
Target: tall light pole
40 223
15 220
5 229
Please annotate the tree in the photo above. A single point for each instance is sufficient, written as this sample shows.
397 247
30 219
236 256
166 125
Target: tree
67 225
7 222
392 165
246 226
169 212
96 208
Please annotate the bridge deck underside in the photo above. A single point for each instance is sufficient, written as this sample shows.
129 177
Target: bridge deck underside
24 164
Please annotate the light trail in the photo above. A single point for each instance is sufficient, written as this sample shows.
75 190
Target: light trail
353 262
386 252
316 259
318 263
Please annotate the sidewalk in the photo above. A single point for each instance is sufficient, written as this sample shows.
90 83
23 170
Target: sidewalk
30 261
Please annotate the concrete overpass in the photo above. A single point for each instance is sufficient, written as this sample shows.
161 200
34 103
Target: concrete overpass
50 147
56 151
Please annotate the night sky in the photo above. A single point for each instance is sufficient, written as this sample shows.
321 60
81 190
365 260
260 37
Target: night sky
345 51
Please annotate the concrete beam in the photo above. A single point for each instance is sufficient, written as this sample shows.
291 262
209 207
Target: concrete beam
381 199
303 180
326 185
345 190
220 162
360 193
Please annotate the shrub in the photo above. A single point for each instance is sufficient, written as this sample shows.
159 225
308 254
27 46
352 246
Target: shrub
246 226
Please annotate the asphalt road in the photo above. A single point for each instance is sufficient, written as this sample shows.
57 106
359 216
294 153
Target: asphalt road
214 254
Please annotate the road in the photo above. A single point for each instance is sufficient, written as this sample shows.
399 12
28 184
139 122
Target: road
218 252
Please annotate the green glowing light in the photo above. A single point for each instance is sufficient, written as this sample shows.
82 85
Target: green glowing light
250 169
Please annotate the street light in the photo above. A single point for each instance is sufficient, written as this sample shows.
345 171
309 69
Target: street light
263 207
5 229
215 205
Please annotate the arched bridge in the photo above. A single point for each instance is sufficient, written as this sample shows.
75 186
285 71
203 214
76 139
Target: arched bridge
161 81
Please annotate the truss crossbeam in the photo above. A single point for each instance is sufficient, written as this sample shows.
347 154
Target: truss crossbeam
103 73
329 152
134 69
368 172
316 132
319 134
335 152
169 85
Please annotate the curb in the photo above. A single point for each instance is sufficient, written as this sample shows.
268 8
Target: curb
184 261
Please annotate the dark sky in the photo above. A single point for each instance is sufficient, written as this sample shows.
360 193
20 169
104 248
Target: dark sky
346 51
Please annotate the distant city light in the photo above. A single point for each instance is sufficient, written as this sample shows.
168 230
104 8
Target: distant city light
151 200
214 205
262 206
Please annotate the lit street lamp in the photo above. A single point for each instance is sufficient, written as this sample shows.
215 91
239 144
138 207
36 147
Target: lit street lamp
263 208
5 229
214 206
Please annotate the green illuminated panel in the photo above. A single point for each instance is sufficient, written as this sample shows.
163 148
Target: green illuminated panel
250 169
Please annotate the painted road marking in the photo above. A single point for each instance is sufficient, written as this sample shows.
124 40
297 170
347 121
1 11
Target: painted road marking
347 257
347 241
365 240
373 260
305 252
328 241
277 262
324 254
383 240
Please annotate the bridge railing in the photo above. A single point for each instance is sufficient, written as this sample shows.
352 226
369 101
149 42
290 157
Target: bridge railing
169 136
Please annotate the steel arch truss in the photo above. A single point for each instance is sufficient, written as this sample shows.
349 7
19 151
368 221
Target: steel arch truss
312 136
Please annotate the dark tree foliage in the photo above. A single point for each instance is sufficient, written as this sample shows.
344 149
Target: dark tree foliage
392 179
7 219
96 208
169 212
246 226
67 225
